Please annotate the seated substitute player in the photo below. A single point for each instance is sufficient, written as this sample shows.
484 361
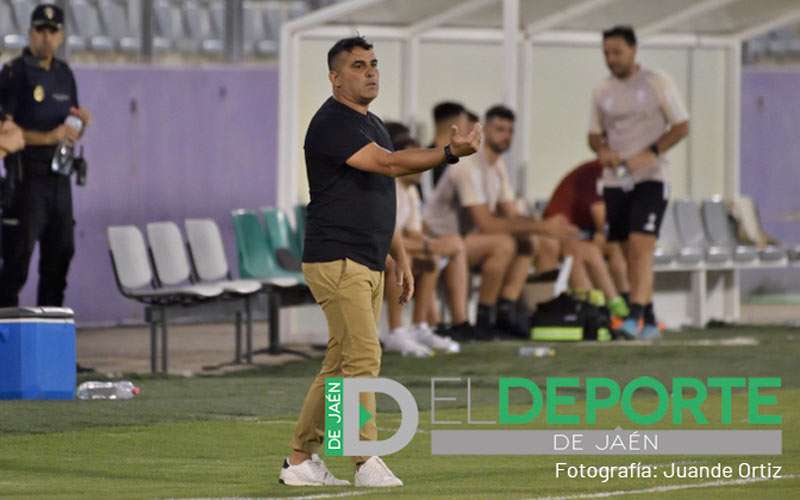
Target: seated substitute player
474 198
431 257
577 197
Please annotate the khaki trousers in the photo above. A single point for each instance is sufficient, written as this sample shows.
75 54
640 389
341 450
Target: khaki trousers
350 295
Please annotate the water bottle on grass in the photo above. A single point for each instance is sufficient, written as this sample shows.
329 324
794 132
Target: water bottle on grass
108 390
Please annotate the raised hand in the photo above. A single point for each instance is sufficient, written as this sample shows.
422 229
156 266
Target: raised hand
465 144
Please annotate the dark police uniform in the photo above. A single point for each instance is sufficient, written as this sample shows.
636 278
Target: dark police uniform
41 210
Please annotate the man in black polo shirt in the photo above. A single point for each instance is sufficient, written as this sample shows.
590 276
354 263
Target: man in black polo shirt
349 232
40 95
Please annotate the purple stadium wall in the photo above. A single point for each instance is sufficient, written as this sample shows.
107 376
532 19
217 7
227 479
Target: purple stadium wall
173 143
770 171
166 144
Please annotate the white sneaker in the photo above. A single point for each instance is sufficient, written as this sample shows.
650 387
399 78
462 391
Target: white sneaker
308 473
403 342
375 474
425 336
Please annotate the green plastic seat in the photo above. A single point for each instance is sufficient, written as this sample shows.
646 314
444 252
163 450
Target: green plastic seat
279 232
300 228
256 255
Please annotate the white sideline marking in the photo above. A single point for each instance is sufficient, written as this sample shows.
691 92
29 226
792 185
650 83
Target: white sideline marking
661 489
325 495
304 497
730 342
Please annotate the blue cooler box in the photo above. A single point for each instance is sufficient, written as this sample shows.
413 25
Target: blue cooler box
37 353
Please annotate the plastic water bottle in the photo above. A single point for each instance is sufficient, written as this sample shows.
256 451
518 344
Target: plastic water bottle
65 153
108 390
528 351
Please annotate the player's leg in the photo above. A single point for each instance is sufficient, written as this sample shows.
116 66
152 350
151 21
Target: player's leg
493 253
618 268
648 203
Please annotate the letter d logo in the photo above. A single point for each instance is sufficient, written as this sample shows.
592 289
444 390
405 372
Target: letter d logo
409 417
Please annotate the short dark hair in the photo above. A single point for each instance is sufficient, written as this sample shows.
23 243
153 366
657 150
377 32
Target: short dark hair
406 142
621 31
346 45
499 111
398 133
473 117
447 110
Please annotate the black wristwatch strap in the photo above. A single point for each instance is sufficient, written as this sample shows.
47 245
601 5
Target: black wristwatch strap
654 149
449 157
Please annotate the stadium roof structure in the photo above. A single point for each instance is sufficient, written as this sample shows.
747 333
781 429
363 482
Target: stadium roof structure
518 25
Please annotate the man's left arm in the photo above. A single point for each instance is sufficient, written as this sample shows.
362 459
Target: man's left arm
76 109
403 275
676 115
598 213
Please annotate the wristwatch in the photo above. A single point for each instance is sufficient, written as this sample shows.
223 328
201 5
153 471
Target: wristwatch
449 157
654 149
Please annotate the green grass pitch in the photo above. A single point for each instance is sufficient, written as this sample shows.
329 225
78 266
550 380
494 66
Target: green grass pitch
226 436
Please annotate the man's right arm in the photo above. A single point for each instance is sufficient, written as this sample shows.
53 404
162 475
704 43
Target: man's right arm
597 138
555 227
49 138
376 159
11 138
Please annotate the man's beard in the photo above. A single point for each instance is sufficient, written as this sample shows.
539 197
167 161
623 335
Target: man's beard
622 72
497 148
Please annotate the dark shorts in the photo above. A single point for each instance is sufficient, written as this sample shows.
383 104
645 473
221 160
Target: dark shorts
639 210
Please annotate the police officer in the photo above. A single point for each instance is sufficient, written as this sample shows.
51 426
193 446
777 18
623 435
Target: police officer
40 93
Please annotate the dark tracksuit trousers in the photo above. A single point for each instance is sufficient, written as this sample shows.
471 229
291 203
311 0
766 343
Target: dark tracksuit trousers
40 211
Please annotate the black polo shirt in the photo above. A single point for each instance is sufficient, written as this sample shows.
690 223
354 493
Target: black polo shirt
39 99
352 212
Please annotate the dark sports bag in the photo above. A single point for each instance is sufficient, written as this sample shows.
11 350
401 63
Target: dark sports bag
564 319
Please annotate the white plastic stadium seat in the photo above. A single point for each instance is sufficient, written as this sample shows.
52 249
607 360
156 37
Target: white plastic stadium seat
199 28
769 250
167 26
258 39
296 8
671 243
114 15
208 254
135 280
690 230
721 233
85 30
13 37
134 275
20 13
170 259
667 247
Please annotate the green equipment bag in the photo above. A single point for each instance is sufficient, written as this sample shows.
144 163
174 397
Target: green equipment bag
564 319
